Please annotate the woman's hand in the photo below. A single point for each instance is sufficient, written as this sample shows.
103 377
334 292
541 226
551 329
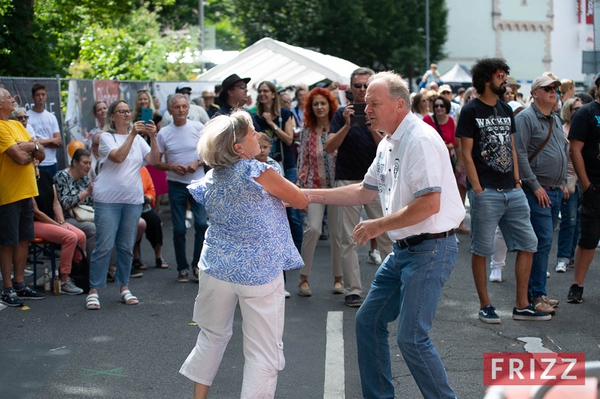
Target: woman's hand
89 190
267 117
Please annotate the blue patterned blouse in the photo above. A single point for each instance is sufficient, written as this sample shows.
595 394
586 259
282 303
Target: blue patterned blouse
248 240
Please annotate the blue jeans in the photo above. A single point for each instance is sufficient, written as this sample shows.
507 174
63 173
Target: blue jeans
116 226
543 221
568 234
52 169
408 284
178 200
294 215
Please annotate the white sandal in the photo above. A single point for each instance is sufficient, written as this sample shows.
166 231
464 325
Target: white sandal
128 298
92 302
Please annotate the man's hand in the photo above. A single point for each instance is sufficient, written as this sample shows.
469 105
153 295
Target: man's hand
193 166
565 191
542 197
178 168
364 231
348 112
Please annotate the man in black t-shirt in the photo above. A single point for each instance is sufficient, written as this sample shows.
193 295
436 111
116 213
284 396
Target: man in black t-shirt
485 128
584 139
356 147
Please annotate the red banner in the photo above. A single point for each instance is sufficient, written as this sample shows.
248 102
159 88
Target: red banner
589 12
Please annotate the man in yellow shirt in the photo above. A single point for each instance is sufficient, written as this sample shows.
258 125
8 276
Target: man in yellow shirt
17 186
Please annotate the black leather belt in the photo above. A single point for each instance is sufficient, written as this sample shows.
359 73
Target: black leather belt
414 240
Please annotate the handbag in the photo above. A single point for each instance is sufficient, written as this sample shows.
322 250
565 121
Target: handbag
571 184
83 213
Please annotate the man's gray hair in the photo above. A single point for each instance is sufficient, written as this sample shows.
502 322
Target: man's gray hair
171 99
396 85
361 71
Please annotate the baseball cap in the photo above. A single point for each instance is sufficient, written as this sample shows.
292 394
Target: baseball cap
543 81
444 88
183 86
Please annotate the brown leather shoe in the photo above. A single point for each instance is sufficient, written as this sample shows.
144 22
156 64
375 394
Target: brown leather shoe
551 302
542 306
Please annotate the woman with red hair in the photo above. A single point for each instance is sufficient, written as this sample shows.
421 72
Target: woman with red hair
316 169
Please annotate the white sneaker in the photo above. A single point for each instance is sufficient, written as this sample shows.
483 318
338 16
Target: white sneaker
69 288
561 267
189 215
188 223
287 293
496 275
375 257
547 274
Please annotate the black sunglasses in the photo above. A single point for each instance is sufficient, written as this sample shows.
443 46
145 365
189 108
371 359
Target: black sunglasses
550 89
358 86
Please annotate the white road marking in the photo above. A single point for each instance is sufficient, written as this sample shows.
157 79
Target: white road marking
534 345
334 357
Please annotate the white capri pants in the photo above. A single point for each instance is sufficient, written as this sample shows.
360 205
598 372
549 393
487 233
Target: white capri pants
263 311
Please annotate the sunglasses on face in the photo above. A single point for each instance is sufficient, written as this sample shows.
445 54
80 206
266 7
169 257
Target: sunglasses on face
501 75
358 86
550 89
22 117
243 87
438 106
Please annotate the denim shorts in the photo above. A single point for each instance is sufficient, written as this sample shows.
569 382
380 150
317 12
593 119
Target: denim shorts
589 217
507 208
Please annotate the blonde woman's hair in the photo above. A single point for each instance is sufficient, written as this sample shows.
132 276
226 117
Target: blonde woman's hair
215 147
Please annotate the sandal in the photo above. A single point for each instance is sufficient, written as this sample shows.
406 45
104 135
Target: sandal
304 291
138 264
338 287
161 263
128 299
92 302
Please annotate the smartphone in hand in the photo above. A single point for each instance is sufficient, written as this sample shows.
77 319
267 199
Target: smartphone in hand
359 118
146 115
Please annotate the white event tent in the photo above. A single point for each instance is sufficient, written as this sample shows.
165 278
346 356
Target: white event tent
282 64
457 76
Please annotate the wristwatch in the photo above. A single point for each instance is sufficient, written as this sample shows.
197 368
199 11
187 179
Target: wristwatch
37 146
275 128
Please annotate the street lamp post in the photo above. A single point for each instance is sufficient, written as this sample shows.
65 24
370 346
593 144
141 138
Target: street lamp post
201 16
427 35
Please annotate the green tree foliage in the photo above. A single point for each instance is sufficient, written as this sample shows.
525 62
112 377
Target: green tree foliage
184 14
382 34
133 51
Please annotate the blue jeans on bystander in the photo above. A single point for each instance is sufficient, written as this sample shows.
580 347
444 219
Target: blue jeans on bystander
543 220
116 226
568 233
178 200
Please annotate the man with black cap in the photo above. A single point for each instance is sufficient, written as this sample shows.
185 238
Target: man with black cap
234 94
196 113
542 153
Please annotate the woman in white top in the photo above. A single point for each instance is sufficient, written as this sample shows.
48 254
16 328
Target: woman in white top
118 197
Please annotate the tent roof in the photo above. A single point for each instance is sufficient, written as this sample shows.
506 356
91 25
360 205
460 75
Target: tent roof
282 64
457 74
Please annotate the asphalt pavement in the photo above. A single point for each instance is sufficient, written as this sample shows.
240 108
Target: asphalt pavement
57 349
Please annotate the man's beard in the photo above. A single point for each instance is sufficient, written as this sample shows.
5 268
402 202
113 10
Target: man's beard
498 90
